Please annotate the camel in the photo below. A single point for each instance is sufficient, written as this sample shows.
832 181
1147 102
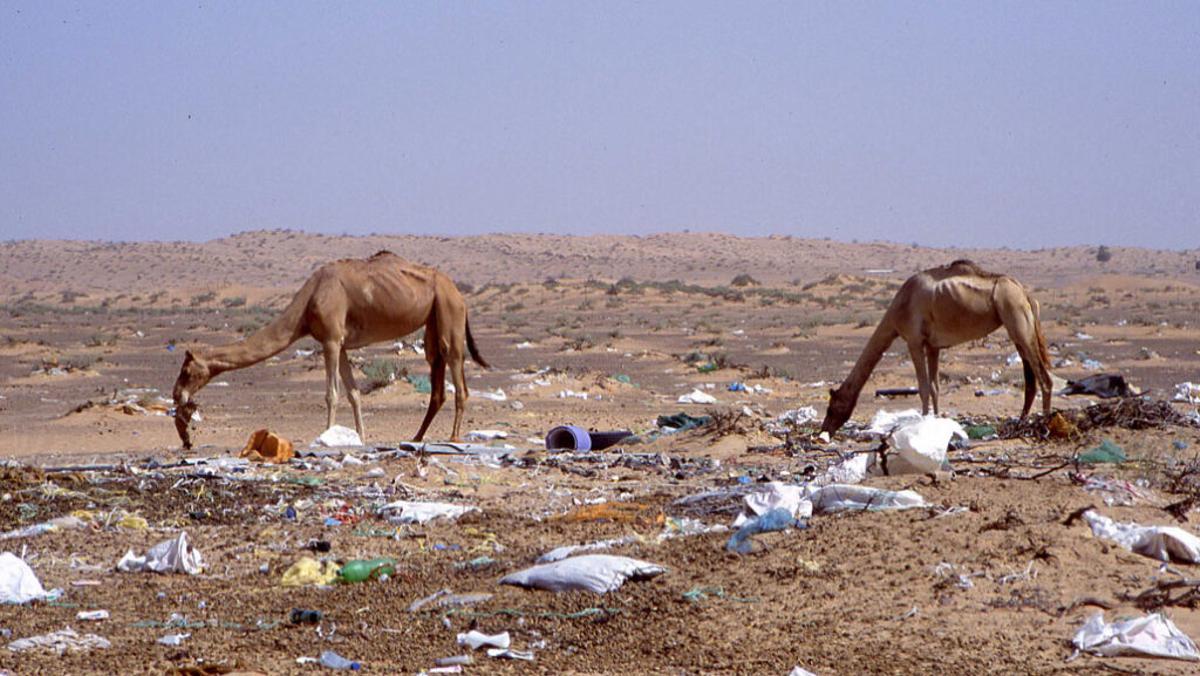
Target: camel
942 307
344 305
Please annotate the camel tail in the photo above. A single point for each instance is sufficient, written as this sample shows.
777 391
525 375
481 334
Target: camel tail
474 348
1043 349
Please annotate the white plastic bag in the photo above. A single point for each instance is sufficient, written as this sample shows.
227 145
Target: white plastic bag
337 437
883 422
841 497
1149 635
775 495
1165 543
697 396
168 556
560 553
18 583
477 639
921 445
424 512
599 573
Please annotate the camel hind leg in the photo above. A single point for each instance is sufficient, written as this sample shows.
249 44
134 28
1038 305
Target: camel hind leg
1020 321
437 377
931 357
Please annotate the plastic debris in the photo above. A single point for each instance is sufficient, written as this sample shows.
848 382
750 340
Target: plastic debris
772 496
486 435
560 553
309 571
69 522
681 422
168 556
91 615
1106 452
1188 392
598 573
697 396
1165 543
454 660
1153 634
337 437
798 671
978 432
60 642
303 616
1103 385
775 520
477 639
266 446
423 512
360 570
575 438
18 583
173 639
332 660
510 654
883 422
922 445
841 497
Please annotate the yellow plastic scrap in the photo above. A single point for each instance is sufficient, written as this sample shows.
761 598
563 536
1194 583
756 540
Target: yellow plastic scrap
133 522
309 571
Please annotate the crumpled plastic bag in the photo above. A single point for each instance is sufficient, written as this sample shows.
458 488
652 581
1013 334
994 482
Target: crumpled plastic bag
266 446
424 512
18 583
337 437
1165 543
921 445
775 495
883 422
69 522
61 641
1152 634
697 396
1187 391
842 497
309 571
169 556
598 573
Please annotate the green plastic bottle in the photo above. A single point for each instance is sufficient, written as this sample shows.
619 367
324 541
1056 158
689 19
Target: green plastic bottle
360 570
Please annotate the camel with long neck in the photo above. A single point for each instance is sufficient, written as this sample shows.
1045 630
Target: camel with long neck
344 305
942 307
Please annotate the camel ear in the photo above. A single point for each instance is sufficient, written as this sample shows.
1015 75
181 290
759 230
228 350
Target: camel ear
188 356
832 392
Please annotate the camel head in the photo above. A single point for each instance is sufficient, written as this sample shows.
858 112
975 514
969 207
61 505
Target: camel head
193 375
841 405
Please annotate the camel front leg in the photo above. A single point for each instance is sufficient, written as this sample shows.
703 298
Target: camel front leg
918 360
332 354
352 393
931 358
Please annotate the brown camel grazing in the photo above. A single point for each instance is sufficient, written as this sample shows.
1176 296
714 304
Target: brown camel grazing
345 305
942 307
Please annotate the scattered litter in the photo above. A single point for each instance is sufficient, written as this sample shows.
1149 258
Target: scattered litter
775 520
309 571
332 660
173 639
1165 543
486 435
477 639
598 573
681 422
1188 392
922 445
841 497
979 432
423 512
1092 365
337 437
1106 452
69 522
798 671
266 446
697 396
1103 385
798 416
772 496
575 438
168 556
91 615
571 394
508 653
60 642
498 395
361 570
18 583
1153 634
884 422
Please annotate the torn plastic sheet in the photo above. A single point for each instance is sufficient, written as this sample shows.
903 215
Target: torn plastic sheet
842 497
697 396
61 641
922 444
1153 634
776 495
424 512
478 639
1165 543
598 573
18 583
1188 392
168 556
560 553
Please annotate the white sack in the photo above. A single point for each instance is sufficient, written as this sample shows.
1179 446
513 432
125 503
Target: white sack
841 497
1149 635
776 495
883 422
424 512
18 583
168 556
697 396
1164 543
922 445
599 573
337 437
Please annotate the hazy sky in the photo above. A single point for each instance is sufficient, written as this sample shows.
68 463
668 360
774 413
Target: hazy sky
1020 124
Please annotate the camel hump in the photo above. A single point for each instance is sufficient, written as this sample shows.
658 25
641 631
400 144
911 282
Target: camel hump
381 253
966 266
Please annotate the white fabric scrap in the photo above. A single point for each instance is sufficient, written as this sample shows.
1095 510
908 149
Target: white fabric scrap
424 512
1152 634
841 497
59 642
18 583
1164 543
169 556
697 396
598 573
